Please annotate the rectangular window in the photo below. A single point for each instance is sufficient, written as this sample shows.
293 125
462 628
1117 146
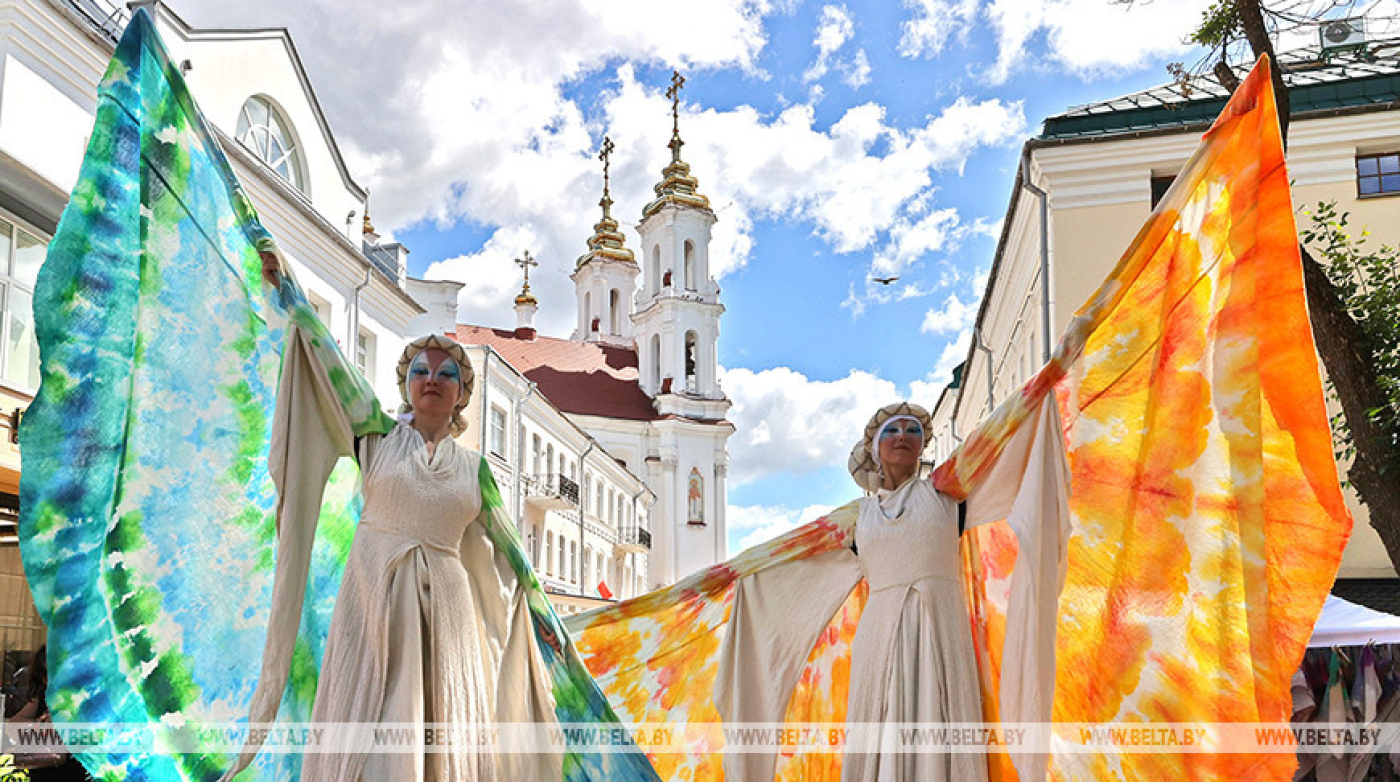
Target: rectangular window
498 431
1378 174
21 255
1160 184
321 307
364 351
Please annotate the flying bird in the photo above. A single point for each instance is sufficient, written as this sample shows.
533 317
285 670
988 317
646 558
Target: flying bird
883 280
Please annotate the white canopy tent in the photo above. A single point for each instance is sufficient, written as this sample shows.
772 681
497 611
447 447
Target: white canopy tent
1348 624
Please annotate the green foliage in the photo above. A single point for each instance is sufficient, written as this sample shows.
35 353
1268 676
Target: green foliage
1220 25
1368 282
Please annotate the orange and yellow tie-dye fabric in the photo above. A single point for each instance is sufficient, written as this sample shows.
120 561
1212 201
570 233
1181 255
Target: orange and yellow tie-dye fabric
1208 521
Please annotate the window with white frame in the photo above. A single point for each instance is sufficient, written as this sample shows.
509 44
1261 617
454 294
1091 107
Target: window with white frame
364 352
321 307
21 253
264 130
497 442
549 553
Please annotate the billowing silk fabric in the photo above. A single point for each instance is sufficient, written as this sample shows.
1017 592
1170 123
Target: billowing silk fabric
188 504
1207 522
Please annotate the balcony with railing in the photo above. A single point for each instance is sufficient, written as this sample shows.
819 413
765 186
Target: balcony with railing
552 491
634 538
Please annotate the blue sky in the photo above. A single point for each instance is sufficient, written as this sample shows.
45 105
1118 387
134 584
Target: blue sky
835 140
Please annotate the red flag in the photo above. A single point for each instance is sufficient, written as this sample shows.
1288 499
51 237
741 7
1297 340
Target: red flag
603 590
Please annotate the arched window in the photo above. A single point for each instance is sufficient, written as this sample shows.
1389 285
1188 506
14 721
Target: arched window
614 312
692 363
549 553
560 571
549 457
656 268
695 498
587 563
602 574
264 130
691 283
573 561
535 454
531 539
655 360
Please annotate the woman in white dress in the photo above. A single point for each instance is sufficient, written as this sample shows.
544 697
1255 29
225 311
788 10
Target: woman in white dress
412 640
439 620
912 659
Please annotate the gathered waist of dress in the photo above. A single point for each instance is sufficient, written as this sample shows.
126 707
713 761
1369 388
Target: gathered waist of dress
412 533
880 582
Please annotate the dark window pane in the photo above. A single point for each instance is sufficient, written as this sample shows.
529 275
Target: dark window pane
1390 164
1366 166
1390 183
1370 185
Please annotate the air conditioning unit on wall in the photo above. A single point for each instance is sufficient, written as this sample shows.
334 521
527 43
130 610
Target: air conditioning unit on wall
1339 34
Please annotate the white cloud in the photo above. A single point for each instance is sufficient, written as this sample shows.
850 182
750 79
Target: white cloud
492 278
933 23
834 30
754 524
466 116
857 71
1091 36
954 317
788 423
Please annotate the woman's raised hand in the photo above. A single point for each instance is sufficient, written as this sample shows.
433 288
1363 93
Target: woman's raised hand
271 268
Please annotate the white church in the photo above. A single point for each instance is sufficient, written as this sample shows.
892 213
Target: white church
638 379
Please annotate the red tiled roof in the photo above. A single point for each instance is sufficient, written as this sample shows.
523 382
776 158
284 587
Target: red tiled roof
586 378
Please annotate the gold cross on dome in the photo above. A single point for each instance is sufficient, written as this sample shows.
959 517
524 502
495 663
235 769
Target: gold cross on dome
525 263
674 93
605 155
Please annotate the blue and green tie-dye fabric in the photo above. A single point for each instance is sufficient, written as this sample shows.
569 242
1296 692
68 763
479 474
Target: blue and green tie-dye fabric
147 529
147 526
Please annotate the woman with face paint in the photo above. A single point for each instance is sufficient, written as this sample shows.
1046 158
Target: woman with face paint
439 626
410 641
912 659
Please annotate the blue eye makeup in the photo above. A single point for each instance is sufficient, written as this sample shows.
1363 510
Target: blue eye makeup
910 428
447 370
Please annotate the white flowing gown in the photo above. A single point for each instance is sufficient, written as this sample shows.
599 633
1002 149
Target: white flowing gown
408 641
912 659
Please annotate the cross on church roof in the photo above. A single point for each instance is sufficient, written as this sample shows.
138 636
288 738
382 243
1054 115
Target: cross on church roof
674 93
525 263
605 156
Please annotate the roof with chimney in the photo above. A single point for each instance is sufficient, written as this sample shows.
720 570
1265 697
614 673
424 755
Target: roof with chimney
585 378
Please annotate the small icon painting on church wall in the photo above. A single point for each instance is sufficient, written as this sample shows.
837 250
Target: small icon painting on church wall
695 498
